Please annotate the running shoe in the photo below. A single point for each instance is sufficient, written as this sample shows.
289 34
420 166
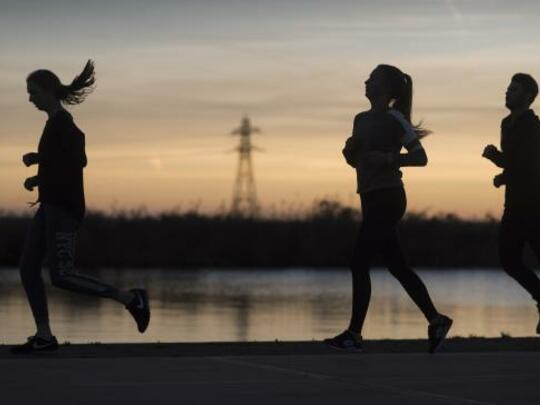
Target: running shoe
36 344
437 331
538 326
139 308
345 341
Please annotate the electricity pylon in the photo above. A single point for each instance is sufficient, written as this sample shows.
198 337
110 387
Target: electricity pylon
244 201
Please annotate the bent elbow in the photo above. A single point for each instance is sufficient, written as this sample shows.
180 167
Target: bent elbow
423 159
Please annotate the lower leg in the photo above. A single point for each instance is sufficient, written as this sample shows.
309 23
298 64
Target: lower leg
37 298
526 278
416 289
43 329
35 291
123 296
360 299
513 265
534 243
413 285
30 272
515 232
84 284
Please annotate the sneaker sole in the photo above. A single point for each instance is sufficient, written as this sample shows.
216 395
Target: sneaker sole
343 349
35 351
438 345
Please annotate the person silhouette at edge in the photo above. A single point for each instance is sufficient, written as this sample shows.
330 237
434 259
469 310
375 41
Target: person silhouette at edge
60 159
519 158
373 150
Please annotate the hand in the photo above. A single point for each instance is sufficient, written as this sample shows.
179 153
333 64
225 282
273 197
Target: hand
30 183
499 180
30 159
490 152
378 159
350 151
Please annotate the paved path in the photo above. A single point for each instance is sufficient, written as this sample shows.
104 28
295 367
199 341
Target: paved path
216 375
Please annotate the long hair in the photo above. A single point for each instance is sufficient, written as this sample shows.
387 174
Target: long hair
401 92
74 93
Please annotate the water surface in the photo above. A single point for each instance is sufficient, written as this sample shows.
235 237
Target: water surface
257 305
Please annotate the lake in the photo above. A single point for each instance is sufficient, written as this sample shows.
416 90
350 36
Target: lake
261 305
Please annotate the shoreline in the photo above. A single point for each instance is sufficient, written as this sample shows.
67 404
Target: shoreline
278 348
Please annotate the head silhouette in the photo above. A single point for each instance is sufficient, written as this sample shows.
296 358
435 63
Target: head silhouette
45 88
521 91
390 85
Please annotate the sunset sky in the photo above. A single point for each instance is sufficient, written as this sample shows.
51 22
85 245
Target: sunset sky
175 77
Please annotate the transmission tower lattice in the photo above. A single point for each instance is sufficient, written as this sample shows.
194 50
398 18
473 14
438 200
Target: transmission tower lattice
244 201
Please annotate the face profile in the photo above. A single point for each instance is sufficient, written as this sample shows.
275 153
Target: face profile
37 95
375 84
516 96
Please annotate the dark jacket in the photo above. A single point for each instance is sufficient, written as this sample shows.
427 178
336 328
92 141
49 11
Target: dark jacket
61 162
520 158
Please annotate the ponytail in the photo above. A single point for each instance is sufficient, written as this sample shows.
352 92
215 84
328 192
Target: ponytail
80 87
401 89
72 94
403 97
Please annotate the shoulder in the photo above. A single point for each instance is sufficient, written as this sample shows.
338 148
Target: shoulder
532 119
360 120
62 116
63 121
526 124
361 115
533 125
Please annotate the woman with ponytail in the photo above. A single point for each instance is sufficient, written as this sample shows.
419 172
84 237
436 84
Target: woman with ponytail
373 150
60 160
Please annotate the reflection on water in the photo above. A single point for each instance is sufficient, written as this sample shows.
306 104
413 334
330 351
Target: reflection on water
247 305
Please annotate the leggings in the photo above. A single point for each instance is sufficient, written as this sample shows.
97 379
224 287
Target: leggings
378 234
51 236
516 230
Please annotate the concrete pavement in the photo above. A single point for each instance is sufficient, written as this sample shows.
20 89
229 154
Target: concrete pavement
270 373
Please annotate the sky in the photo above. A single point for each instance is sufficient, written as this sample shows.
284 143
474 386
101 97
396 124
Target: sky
175 77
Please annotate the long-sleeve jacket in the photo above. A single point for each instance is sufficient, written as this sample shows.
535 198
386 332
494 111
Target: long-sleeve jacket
520 159
60 164
385 131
